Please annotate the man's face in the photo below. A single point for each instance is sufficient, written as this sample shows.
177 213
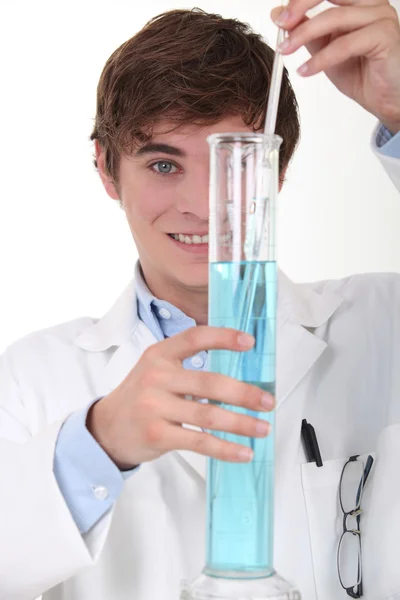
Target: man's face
163 188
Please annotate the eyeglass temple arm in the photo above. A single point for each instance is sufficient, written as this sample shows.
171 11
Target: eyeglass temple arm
367 470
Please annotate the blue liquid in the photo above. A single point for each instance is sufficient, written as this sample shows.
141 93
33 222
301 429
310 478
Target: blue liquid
240 496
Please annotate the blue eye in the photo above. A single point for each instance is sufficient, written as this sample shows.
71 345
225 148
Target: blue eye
164 167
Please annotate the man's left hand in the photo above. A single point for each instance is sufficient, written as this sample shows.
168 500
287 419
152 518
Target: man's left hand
357 44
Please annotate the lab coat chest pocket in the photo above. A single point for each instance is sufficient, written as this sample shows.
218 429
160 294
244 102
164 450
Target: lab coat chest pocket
325 521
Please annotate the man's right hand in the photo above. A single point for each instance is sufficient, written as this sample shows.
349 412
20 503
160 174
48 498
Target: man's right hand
142 418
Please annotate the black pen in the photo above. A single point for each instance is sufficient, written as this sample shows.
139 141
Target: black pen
305 436
317 453
311 443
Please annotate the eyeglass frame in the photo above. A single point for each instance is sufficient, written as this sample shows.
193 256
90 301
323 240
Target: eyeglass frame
355 512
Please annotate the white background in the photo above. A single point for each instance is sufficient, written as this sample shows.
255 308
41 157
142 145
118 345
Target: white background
65 249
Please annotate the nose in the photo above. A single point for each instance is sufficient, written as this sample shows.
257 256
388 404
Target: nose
193 195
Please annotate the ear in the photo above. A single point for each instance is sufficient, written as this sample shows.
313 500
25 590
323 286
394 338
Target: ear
106 179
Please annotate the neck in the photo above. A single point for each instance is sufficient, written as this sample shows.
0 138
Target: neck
192 301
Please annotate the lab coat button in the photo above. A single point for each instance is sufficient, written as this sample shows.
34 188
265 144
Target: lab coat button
100 492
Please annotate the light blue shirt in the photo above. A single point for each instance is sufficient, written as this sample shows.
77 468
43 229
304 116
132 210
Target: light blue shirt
387 143
88 479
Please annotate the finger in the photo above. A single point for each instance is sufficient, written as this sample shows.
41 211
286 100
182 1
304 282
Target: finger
292 15
367 42
333 21
206 444
202 337
212 417
315 45
221 388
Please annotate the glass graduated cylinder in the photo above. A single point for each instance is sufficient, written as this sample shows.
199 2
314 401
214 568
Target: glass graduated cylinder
243 295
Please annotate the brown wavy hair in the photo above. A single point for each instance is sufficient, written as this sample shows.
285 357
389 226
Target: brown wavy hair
188 66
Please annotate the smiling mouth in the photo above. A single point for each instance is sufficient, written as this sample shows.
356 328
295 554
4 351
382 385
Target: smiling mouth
199 239
189 239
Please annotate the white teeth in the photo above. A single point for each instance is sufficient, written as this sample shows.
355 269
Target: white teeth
190 239
200 239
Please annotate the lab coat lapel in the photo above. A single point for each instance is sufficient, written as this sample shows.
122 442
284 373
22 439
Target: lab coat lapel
122 334
297 351
127 355
301 311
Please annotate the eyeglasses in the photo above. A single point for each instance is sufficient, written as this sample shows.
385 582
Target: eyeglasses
349 564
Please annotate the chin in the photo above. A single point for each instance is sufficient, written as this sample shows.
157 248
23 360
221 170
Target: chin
192 276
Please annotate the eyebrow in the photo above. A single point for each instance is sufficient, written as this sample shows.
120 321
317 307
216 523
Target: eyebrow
153 148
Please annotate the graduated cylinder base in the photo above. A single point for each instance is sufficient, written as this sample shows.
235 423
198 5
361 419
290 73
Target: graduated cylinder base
216 588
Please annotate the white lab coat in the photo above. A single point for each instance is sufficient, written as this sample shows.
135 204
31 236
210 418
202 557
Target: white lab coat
338 366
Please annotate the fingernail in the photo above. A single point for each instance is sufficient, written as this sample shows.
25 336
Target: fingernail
303 69
245 455
283 17
285 45
246 340
262 428
267 400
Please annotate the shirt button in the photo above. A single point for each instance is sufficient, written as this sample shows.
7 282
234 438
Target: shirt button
164 313
100 492
197 362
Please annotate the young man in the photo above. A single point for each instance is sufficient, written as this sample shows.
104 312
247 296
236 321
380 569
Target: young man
83 404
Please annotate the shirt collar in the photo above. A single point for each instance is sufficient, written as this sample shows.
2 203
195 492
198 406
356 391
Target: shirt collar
163 318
